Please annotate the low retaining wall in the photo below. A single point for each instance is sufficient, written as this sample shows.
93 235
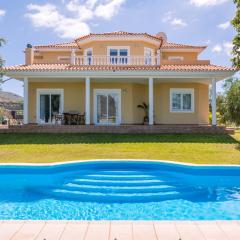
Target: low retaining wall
122 129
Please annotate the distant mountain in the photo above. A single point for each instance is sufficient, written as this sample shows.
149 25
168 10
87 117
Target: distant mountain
8 97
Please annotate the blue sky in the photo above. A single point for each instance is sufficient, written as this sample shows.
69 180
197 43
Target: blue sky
203 22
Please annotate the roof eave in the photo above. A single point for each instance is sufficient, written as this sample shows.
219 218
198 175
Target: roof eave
218 75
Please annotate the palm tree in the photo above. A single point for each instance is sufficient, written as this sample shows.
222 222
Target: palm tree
145 108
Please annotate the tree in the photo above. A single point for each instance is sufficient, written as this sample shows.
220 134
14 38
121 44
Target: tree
236 41
232 87
222 113
2 41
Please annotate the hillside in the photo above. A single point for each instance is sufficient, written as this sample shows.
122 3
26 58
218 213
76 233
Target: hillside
8 97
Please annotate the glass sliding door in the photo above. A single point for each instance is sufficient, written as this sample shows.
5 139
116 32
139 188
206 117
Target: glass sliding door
107 107
112 108
44 108
54 105
102 114
49 105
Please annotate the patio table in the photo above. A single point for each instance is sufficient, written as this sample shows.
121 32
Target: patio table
73 118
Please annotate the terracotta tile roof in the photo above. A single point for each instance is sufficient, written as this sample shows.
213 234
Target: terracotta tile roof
178 45
69 45
70 68
118 33
73 44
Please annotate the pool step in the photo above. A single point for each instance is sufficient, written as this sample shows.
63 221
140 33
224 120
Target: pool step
87 196
119 177
121 182
119 186
117 189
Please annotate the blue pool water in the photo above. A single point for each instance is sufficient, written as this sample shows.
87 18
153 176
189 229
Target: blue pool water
120 191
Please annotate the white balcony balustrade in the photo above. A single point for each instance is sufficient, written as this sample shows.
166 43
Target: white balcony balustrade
116 60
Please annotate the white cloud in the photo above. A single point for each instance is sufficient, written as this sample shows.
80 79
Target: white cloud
169 18
178 22
224 25
202 3
208 41
2 12
228 48
82 11
75 22
225 47
44 15
217 48
108 10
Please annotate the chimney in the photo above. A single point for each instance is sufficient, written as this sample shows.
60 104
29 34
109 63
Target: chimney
29 54
163 36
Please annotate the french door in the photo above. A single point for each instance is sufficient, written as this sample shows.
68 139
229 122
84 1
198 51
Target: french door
49 104
107 106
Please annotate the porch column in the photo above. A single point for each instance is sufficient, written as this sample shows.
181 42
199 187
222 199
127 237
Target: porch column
87 100
214 121
25 101
150 101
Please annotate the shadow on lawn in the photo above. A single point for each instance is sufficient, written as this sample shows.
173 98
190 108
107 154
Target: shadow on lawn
77 138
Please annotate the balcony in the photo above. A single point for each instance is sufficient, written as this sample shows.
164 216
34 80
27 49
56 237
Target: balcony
116 60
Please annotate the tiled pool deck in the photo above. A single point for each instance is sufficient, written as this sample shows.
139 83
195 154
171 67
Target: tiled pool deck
119 230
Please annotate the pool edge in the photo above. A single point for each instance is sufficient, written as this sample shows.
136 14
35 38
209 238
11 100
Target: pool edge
131 160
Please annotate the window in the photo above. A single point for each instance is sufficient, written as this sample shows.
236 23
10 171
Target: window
64 59
88 53
182 100
118 55
148 55
175 58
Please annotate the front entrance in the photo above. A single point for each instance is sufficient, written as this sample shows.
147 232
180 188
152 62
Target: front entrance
107 106
49 104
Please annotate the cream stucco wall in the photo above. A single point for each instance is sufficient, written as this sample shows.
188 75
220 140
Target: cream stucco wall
187 56
100 49
74 96
162 104
136 47
132 94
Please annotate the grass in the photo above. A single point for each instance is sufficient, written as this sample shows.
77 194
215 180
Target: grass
194 148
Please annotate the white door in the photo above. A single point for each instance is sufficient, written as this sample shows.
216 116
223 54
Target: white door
107 106
148 54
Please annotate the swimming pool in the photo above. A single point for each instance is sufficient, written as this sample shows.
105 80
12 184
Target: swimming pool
120 190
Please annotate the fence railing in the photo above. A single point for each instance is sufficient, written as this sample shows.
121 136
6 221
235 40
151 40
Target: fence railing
116 60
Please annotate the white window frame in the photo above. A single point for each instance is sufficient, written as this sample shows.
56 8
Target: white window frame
48 91
175 58
86 50
107 91
118 48
182 91
146 49
85 56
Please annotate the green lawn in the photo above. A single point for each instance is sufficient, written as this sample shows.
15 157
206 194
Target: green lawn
195 148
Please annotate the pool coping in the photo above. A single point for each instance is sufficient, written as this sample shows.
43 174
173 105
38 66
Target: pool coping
131 160
127 230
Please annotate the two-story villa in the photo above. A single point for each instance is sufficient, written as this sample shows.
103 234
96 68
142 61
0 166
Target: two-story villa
107 75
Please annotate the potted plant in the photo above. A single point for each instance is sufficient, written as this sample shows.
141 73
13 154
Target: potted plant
145 108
